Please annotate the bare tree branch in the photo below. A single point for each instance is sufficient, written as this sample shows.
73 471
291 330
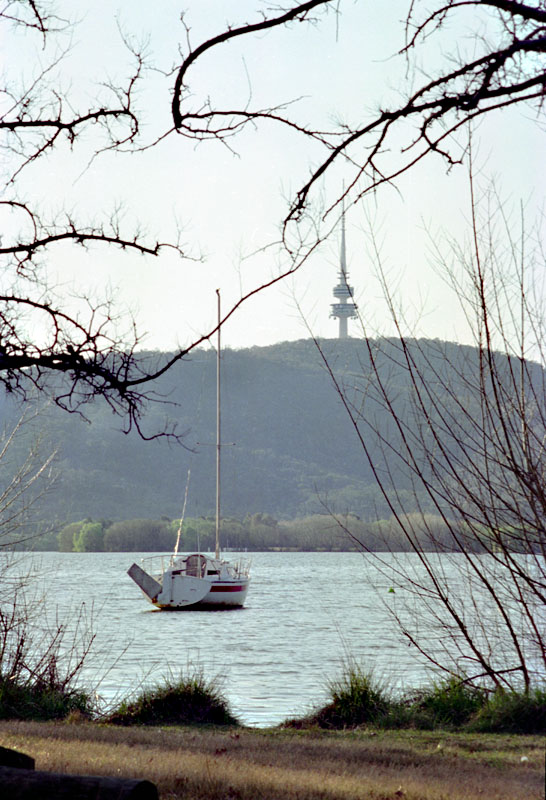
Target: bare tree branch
471 445
299 12
509 72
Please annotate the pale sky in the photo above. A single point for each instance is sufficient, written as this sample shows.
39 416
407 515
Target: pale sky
230 204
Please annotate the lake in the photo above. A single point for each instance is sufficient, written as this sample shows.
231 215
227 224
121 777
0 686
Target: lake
305 614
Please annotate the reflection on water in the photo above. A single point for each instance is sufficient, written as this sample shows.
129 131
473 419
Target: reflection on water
305 613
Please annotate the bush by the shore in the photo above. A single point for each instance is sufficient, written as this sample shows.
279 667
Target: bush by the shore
185 700
35 700
357 699
512 712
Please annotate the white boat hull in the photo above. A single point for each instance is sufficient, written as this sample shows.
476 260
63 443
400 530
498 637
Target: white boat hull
215 595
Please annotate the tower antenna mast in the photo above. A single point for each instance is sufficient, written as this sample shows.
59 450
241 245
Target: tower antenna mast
345 308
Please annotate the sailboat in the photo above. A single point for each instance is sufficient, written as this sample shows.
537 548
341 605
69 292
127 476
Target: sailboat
197 581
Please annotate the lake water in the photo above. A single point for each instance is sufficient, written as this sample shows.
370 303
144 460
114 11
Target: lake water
305 613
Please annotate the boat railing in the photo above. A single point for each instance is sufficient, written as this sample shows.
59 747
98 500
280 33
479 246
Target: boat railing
241 567
187 564
157 564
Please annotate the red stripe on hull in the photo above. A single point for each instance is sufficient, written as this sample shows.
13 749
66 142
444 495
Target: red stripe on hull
229 588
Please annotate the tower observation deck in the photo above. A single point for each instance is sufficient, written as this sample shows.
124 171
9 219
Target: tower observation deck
345 307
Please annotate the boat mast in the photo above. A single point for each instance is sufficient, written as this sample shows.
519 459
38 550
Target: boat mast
218 444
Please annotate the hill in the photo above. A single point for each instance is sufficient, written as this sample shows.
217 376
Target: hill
290 446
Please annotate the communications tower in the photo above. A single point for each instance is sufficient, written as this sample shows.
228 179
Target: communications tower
345 307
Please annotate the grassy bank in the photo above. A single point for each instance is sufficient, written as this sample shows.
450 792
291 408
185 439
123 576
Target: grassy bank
450 741
357 699
243 764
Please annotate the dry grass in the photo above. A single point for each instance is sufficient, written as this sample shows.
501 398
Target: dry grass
262 765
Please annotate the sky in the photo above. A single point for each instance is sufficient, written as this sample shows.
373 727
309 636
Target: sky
228 202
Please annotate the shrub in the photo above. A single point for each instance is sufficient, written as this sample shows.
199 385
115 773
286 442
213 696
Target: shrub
512 712
186 700
37 701
40 662
451 702
356 699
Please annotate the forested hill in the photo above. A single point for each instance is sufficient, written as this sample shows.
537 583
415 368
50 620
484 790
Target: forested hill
290 447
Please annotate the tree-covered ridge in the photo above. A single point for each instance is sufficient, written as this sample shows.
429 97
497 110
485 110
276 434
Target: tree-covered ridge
294 450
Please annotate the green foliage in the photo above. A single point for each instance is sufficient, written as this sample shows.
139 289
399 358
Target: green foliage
256 532
47 541
67 536
139 535
90 538
512 712
448 703
186 700
36 700
356 699
198 534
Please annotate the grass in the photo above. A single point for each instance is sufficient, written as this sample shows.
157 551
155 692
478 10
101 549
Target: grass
362 745
357 699
176 735
241 764
183 700
39 701
512 712
450 703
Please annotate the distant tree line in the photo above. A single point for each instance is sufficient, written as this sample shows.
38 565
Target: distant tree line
257 532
